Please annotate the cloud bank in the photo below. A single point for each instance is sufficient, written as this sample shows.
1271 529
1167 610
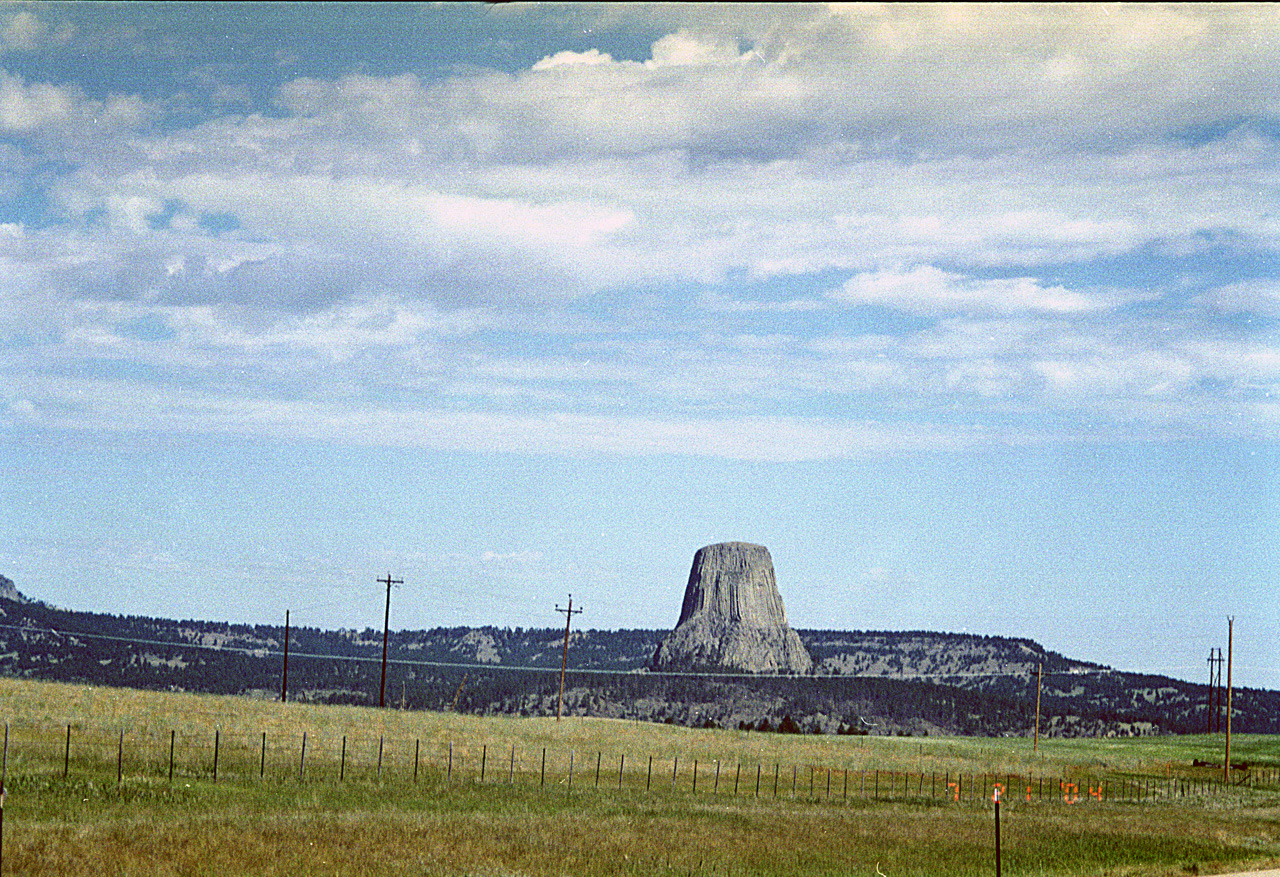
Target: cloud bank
772 233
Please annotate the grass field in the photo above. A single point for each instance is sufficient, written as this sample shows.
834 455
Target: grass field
388 792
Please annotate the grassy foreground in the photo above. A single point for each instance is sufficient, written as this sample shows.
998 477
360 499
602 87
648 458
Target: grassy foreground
335 809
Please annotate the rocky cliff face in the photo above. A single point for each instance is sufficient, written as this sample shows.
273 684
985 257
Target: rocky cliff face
732 618
9 592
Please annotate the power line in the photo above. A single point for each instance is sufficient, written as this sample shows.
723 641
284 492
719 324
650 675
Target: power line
265 652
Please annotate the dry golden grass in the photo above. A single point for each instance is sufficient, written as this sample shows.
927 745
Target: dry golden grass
90 824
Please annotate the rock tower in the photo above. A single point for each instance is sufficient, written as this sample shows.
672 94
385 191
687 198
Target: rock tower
732 618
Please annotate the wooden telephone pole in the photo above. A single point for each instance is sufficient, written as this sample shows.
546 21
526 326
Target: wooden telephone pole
386 627
1035 747
564 660
1226 762
284 678
1215 690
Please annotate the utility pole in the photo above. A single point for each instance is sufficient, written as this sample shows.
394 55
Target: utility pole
386 628
1226 763
284 680
1039 672
1215 690
1209 693
564 660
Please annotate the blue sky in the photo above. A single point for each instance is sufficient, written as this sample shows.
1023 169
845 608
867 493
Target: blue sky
968 313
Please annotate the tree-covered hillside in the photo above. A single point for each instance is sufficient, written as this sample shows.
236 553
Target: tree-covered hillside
864 681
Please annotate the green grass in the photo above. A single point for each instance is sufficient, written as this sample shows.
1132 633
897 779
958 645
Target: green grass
450 823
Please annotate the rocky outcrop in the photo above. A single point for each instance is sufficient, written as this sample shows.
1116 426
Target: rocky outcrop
9 592
732 618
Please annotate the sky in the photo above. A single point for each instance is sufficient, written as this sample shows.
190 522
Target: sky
968 313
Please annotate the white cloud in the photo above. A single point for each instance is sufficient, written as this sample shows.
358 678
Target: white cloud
1256 296
63 117
371 224
567 59
686 49
932 292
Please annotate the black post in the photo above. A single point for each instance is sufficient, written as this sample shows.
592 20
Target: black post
262 768
66 755
216 736
172 736
120 759
997 799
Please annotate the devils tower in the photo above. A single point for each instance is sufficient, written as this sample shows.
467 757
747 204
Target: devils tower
732 618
